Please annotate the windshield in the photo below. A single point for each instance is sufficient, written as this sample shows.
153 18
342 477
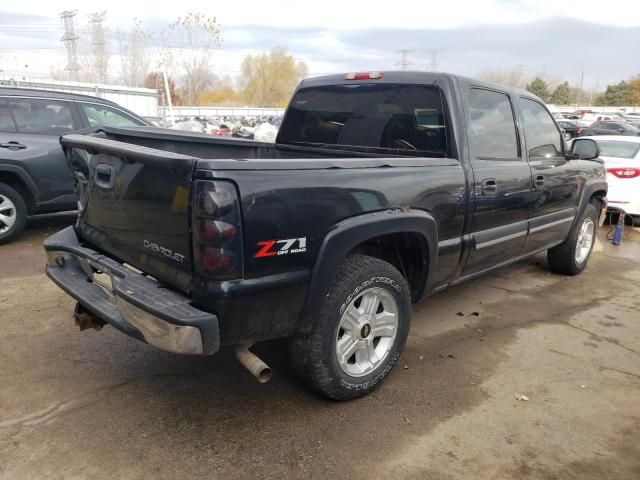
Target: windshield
395 118
613 148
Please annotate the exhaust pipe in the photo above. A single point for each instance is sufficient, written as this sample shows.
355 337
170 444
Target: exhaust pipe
251 362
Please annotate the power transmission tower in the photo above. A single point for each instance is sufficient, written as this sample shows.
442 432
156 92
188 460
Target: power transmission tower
99 46
70 40
404 59
434 52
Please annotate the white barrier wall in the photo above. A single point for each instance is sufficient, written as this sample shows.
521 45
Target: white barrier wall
182 111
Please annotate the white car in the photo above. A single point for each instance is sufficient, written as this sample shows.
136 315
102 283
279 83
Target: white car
621 156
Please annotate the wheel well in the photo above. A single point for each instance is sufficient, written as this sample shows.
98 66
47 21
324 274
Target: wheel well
598 197
16 183
406 251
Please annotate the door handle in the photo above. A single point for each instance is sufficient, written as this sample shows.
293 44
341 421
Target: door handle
489 186
13 145
539 181
105 176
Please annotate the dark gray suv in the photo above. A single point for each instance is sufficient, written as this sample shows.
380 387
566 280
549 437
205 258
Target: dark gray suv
34 177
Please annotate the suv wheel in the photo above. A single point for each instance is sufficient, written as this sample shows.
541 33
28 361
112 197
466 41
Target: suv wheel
571 257
13 213
360 331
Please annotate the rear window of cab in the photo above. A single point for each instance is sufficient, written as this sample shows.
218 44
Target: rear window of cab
394 118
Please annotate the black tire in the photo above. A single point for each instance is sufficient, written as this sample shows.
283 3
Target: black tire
19 210
314 355
562 259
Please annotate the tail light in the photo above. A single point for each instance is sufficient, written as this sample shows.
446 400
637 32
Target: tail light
216 230
624 172
578 131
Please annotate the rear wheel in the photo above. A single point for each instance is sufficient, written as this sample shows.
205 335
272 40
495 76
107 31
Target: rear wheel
360 331
13 213
571 257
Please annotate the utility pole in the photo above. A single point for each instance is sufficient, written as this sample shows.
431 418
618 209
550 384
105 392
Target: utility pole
70 40
404 59
580 90
433 66
100 58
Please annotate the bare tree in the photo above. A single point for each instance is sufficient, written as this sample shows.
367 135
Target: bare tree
133 47
189 44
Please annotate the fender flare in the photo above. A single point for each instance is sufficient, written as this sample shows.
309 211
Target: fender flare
589 189
353 231
23 176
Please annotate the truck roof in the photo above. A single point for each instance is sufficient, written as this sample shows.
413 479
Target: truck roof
412 77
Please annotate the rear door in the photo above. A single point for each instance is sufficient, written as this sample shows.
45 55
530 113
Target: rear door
501 177
97 114
556 180
35 145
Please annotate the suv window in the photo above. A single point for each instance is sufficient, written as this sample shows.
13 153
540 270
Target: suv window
101 115
38 115
492 132
381 117
6 121
540 131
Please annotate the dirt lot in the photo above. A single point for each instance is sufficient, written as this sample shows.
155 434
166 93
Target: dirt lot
101 405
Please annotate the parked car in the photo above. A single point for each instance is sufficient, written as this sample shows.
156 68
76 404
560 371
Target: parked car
610 128
600 117
381 188
572 128
34 177
621 157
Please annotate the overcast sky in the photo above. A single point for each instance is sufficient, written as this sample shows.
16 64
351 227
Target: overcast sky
559 38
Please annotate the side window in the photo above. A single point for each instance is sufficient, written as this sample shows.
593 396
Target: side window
540 131
6 121
103 116
492 132
36 115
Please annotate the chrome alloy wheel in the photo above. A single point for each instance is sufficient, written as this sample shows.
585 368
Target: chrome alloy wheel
366 332
8 214
585 240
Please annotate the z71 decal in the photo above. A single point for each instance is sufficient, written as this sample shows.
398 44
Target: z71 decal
272 248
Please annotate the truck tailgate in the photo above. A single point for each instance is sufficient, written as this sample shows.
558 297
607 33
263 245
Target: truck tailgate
134 204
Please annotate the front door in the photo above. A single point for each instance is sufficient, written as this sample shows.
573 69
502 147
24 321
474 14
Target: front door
502 181
555 179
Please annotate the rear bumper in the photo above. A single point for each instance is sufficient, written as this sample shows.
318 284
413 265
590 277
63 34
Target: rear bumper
129 301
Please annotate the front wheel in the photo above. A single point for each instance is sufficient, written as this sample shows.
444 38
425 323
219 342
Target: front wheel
360 331
13 213
571 257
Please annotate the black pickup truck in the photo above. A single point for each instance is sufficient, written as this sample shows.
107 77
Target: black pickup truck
381 188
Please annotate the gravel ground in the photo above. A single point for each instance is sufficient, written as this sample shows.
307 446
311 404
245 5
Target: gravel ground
101 405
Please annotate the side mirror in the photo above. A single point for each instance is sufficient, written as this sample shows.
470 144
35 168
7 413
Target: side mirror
584 149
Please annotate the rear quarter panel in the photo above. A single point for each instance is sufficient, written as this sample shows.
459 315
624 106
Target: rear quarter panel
289 204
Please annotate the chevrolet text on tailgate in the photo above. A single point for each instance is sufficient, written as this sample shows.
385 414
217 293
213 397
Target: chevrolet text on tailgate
382 188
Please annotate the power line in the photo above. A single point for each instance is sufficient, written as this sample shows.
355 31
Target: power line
70 40
100 58
404 59
433 66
